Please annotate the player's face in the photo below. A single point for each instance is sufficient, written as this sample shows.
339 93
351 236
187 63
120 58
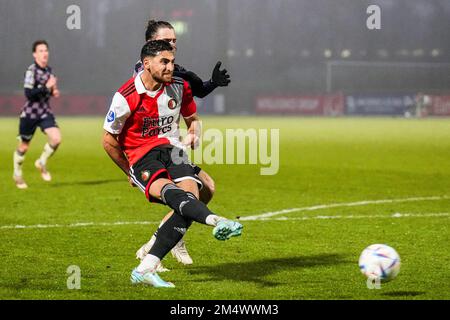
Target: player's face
161 67
167 35
41 55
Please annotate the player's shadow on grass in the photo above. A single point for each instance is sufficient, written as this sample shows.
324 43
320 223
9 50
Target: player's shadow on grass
403 293
85 183
255 271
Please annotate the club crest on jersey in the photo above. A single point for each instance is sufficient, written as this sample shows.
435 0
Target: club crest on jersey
172 104
145 175
111 116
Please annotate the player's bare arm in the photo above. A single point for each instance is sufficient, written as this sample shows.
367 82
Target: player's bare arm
115 152
194 130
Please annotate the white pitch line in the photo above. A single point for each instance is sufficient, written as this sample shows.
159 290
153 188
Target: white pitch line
336 217
265 216
79 224
339 205
395 215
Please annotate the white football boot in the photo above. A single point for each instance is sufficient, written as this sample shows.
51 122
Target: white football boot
42 168
20 183
180 253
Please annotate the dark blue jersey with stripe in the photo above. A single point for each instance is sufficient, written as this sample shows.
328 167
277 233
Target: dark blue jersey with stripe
199 87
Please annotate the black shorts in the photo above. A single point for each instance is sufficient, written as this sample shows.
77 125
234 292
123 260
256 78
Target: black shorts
158 163
28 126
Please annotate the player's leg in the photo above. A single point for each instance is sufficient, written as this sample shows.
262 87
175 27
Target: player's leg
180 251
183 199
187 208
168 234
53 133
185 174
18 159
27 127
140 174
144 173
208 190
145 249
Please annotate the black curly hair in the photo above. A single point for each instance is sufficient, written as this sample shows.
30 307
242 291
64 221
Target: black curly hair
153 26
152 48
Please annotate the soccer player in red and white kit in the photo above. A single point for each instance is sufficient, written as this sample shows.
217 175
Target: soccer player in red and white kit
142 138
163 30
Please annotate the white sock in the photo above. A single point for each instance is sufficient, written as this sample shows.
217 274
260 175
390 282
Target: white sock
149 263
212 220
47 153
18 161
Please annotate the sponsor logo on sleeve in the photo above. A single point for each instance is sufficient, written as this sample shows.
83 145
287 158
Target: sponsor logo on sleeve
111 116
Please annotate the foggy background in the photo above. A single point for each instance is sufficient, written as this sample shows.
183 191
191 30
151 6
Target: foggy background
270 48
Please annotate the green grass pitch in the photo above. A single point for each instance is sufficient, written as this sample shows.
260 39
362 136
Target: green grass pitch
308 255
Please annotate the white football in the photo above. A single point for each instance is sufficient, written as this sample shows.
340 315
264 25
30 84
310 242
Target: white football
379 261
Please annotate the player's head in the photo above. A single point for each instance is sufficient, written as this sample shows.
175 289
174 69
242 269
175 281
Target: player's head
40 52
158 58
161 30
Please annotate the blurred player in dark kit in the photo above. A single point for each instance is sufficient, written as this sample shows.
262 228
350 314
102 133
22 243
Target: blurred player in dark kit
40 84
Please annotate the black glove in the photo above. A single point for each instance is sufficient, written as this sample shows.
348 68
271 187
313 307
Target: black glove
193 79
220 78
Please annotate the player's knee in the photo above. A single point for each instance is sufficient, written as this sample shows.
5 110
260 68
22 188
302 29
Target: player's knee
23 148
173 195
211 187
207 191
55 142
208 183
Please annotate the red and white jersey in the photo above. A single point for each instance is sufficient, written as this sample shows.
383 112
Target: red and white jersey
145 119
